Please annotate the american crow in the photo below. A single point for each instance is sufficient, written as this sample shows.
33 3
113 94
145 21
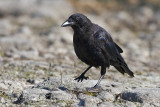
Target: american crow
94 46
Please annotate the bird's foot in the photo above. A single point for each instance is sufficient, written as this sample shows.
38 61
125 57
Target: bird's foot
81 77
96 88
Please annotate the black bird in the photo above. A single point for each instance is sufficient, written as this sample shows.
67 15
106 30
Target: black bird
94 46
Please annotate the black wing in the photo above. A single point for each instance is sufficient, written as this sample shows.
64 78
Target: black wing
104 41
111 51
119 49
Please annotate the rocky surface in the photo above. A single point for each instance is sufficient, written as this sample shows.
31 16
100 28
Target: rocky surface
67 92
38 64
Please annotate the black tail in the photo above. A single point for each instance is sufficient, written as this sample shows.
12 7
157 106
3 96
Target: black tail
122 67
127 70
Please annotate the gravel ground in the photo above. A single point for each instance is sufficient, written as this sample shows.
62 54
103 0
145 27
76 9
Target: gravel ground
38 64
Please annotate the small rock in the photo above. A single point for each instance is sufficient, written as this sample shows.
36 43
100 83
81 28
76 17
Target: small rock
40 72
11 85
28 54
89 101
25 30
147 12
31 81
134 49
105 96
124 16
131 104
61 96
33 94
106 104
3 86
2 100
5 27
37 64
141 95
62 104
49 84
48 56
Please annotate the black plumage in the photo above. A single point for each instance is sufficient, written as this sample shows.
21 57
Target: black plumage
94 46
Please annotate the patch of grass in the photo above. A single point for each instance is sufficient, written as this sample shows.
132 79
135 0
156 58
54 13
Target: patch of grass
144 79
4 95
91 93
138 73
68 103
2 53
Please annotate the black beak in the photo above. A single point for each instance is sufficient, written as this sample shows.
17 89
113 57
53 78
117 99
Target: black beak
67 23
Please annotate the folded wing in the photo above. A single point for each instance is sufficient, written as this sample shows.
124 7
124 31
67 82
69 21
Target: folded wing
111 51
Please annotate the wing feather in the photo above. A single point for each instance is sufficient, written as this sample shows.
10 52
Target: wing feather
111 51
119 49
106 44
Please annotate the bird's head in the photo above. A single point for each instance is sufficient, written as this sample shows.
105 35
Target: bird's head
77 21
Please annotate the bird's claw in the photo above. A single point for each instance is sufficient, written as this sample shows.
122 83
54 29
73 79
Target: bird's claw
81 77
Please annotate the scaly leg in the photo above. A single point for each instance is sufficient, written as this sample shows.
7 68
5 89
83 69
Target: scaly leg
103 71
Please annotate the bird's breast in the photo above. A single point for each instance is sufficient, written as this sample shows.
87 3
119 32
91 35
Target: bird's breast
85 51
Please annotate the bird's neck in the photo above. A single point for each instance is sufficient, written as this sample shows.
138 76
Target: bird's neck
82 29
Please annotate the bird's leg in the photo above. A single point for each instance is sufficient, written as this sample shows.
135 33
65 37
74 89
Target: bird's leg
81 77
103 71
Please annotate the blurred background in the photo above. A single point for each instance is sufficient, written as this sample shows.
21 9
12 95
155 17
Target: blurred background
32 41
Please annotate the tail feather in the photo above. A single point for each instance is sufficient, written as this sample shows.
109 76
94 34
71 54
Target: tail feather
127 70
122 67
